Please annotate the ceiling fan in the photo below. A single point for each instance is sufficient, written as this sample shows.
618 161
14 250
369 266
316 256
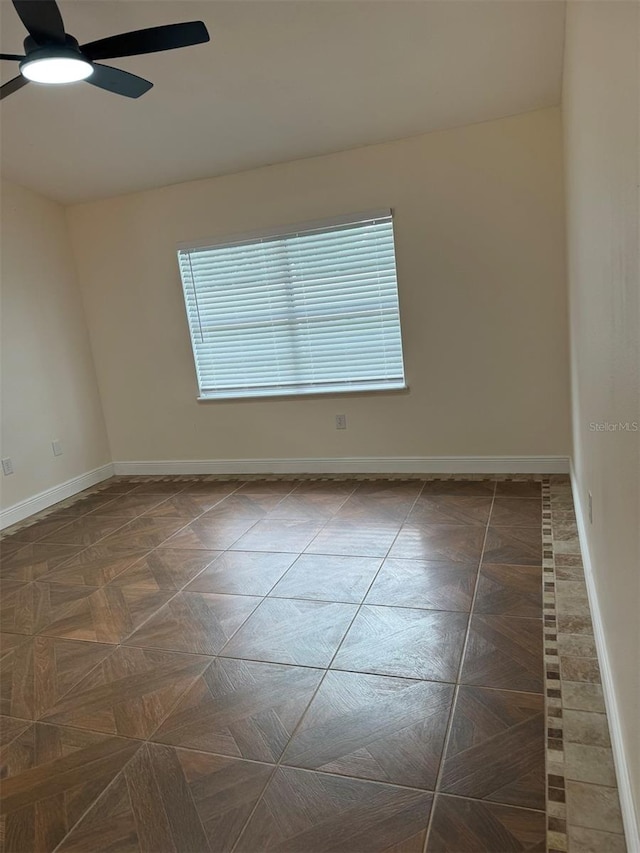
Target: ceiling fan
53 56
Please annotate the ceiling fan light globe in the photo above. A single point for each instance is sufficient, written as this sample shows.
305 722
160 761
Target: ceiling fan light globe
55 70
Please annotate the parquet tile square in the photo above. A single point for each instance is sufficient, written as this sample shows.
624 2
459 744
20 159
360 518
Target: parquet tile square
308 506
518 546
459 542
51 775
496 748
241 505
85 531
367 510
479 827
424 644
159 487
17 607
8 545
9 586
289 535
129 693
509 590
352 539
504 652
83 506
518 489
165 569
32 561
211 488
16 681
374 727
104 615
186 505
128 507
211 533
9 642
37 673
168 800
306 811
95 566
389 489
10 729
115 486
196 622
373 502
516 512
451 509
331 488
281 630
40 530
243 572
468 488
144 532
241 708
426 584
266 488
325 577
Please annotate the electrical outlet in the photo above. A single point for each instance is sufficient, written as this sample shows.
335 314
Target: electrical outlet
590 507
7 466
56 447
341 421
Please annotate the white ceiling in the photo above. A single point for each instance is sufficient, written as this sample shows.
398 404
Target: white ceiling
278 81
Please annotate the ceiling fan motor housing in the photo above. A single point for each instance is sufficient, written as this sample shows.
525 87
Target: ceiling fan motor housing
66 60
69 50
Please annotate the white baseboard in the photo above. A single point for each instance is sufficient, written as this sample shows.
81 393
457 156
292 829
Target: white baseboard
29 506
355 465
627 806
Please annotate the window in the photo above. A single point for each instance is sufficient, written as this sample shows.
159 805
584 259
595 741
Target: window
305 311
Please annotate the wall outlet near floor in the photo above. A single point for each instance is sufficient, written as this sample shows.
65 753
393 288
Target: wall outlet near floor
341 421
56 447
590 507
7 466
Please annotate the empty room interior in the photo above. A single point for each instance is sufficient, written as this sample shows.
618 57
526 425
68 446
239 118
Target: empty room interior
320 426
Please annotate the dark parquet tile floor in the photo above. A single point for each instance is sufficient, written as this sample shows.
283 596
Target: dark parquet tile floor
312 666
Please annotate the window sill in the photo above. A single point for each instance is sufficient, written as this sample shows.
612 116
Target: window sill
400 388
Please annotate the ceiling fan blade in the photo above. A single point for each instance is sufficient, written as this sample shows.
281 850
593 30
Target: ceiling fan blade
151 40
12 86
118 81
11 56
42 19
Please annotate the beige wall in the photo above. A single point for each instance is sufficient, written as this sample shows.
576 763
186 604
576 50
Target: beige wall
49 388
601 101
480 252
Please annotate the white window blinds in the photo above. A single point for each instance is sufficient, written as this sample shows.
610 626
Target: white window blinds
311 311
